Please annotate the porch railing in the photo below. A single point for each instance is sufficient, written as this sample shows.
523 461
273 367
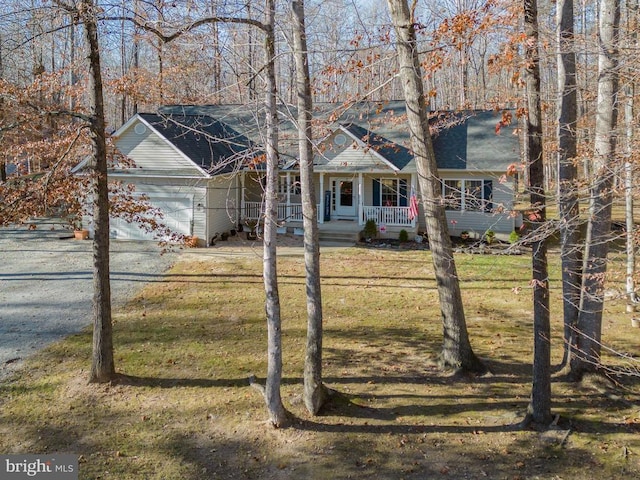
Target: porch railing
286 212
391 216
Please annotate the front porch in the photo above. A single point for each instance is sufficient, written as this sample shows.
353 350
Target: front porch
344 203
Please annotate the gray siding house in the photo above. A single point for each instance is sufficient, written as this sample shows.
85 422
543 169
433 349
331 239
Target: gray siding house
197 164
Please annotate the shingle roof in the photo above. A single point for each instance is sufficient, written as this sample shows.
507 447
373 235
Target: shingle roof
461 140
469 142
209 143
475 144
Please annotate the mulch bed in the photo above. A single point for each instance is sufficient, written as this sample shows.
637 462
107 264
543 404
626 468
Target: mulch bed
471 246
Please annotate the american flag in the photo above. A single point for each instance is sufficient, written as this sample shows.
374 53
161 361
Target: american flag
413 205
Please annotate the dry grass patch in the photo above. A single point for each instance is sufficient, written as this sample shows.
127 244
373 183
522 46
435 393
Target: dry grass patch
183 408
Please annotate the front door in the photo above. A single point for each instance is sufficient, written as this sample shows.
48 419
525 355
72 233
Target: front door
343 198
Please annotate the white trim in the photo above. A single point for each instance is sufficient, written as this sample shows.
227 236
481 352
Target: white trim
135 176
334 180
321 217
360 198
125 126
414 190
242 190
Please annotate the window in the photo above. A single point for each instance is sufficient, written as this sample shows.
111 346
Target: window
452 194
390 192
295 184
469 195
473 195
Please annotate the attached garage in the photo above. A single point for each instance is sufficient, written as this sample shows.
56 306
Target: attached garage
185 165
177 215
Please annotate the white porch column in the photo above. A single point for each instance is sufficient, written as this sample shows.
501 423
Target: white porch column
360 198
288 208
321 212
414 189
242 196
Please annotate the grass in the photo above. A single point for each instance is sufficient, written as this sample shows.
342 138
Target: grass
183 408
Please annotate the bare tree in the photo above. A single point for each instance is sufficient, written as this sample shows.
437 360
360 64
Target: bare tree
589 327
102 364
632 43
568 204
540 406
456 350
315 393
276 409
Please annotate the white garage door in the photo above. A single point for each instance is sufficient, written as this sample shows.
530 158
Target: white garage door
178 213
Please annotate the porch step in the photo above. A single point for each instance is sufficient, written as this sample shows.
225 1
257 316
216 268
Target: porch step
337 237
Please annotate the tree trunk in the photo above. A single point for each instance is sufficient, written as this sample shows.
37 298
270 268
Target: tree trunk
277 412
315 393
568 205
628 211
456 352
589 328
540 406
102 365
632 31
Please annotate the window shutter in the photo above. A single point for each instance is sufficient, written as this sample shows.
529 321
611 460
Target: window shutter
402 187
488 195
376 192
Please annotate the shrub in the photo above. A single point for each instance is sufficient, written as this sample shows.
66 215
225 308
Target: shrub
489 236
370 229
404 236
514 237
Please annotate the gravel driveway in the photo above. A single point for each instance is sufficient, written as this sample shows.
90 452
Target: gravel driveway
46 285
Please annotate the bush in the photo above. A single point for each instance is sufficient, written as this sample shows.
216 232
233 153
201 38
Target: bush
404 236
514 237
489 236
370 229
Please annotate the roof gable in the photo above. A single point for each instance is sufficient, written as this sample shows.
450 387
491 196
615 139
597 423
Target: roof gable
345 150
397 156
212 145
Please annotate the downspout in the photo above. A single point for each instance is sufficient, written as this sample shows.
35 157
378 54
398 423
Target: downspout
207 202
193 216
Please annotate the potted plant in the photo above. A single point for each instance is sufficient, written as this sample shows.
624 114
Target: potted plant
79 233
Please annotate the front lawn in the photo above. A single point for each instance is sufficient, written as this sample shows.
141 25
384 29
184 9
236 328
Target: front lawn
186 346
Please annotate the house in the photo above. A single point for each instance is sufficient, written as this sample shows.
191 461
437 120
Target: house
198 165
